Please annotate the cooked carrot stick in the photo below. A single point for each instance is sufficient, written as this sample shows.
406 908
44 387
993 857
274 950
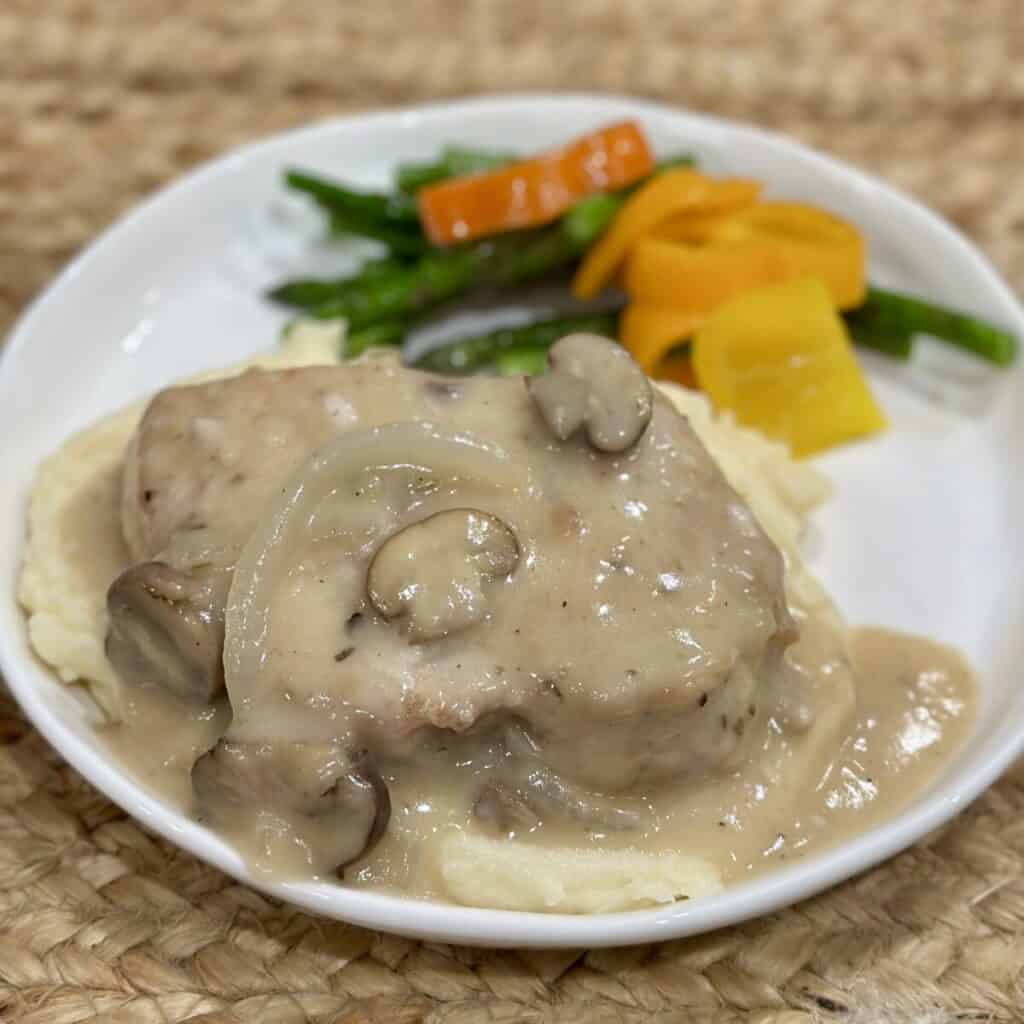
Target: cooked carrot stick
536 191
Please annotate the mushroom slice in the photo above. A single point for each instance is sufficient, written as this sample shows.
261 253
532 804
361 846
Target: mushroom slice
525 792
529 794
596 384
550 794
503 810
304 782
433 572
166 627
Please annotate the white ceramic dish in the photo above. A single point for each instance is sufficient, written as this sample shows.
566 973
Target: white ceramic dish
924 532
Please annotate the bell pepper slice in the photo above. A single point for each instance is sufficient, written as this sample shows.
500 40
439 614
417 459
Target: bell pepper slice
699 278
535 191
813 241
665 196
676 370
649 332
693 228
779 358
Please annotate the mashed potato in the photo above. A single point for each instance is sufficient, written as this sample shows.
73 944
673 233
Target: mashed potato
63 590
62 587
507 875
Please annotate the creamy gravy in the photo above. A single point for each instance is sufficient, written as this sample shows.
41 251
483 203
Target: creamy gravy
745 760
798 795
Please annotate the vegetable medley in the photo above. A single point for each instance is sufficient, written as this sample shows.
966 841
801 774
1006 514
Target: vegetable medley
753 301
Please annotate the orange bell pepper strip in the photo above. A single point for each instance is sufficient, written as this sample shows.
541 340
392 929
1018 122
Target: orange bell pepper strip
650 332
815 242
676 370
535 191
808 241
699 278
666 195
780 359
693 228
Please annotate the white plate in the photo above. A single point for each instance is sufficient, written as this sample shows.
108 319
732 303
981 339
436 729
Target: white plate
924 532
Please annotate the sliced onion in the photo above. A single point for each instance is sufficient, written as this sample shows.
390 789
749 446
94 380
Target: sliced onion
270 551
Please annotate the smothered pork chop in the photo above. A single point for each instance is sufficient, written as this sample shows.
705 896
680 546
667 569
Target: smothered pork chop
413 630
530 590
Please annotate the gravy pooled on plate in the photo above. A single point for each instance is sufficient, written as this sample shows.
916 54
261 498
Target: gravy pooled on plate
366 612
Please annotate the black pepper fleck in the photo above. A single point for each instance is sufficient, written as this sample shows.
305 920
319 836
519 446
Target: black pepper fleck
703 699
552 687
343 654
831 1005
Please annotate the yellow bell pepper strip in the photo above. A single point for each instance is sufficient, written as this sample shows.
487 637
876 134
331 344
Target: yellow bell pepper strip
813 241
648 332
699 278
779 358
666 195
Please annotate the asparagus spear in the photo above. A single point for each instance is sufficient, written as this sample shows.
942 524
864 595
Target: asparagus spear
443 274
507 346
400 242
396 209
527 360
888 312
408 291
309 292
439 275
455 161
521 349
892 341
384 333
391 219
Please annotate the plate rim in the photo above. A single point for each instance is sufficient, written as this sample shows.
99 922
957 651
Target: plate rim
450 922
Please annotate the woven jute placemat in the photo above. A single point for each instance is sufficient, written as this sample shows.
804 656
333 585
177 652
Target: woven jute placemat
100 103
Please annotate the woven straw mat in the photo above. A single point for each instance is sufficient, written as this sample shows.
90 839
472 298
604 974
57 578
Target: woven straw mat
102 102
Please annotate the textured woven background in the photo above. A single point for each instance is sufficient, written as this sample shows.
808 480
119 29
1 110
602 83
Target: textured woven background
100 103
